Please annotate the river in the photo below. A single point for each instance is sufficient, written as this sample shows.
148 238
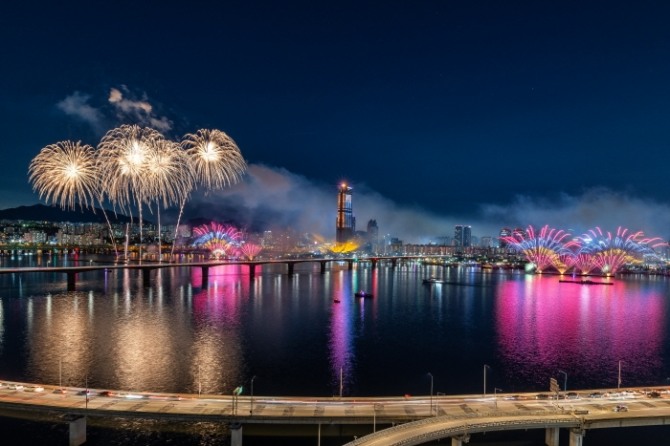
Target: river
295 339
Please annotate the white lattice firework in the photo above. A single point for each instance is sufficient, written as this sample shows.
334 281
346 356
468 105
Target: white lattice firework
215 158
66 173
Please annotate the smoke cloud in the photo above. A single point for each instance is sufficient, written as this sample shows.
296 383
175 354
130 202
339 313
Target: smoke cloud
274 198
77 105
140 111
595 207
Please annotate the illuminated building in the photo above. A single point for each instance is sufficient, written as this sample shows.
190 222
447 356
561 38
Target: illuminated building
346 222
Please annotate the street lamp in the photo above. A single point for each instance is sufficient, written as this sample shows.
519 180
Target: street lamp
495 396
431 393
199 382
251 408
618 385
375 408
565 380
486 366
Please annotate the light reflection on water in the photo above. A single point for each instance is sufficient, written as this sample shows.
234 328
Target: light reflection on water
584 330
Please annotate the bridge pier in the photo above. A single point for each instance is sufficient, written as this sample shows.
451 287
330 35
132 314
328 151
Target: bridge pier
350 264
77 431
460 439
577 437
290 268
323 266
374 263
71 281
551 435
235 434
205 277
252 270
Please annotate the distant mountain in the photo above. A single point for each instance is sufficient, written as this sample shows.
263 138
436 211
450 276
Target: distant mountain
40 212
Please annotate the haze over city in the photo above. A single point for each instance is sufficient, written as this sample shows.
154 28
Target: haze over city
437 113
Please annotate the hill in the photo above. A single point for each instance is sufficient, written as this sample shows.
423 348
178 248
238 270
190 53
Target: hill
40 212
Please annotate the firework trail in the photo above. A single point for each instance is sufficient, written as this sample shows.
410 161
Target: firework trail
169 178
215 162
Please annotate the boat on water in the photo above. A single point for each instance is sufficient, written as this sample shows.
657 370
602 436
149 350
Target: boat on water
362 293
585 282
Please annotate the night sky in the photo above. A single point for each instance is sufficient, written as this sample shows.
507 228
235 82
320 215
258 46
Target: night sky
487 113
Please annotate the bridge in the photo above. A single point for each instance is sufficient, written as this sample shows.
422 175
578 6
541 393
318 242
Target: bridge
401 420
147 267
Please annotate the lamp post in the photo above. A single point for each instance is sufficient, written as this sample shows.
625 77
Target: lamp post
565 380
341 382
431 394
495 396
251 408
375 408
199 382
618 385
486 366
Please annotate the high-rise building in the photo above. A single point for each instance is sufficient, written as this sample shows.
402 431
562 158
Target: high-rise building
346 222
373 236
463 236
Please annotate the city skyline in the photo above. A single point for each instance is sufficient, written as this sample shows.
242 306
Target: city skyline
437 114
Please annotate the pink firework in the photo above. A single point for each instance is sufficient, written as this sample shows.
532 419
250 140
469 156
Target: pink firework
220 240
250 250
546 248
610 252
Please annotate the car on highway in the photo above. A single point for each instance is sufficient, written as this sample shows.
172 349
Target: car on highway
620 408
595 395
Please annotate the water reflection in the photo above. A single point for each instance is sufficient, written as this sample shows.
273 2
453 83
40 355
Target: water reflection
340 342
544 326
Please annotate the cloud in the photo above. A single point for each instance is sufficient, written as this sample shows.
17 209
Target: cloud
140 111
77 105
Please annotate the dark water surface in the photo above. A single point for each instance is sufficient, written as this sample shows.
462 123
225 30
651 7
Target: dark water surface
173 336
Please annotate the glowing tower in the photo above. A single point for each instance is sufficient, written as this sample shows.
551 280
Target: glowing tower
346 222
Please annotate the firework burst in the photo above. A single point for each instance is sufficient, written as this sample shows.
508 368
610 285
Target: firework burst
546 248
220 240
216 160
610 252
250 250
66 173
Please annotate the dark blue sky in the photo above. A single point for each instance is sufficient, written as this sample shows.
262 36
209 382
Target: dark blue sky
443 105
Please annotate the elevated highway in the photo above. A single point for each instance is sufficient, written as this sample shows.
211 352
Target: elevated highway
406 420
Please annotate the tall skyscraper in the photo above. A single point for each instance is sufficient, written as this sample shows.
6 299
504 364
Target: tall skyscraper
346 222
463 236
373 235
